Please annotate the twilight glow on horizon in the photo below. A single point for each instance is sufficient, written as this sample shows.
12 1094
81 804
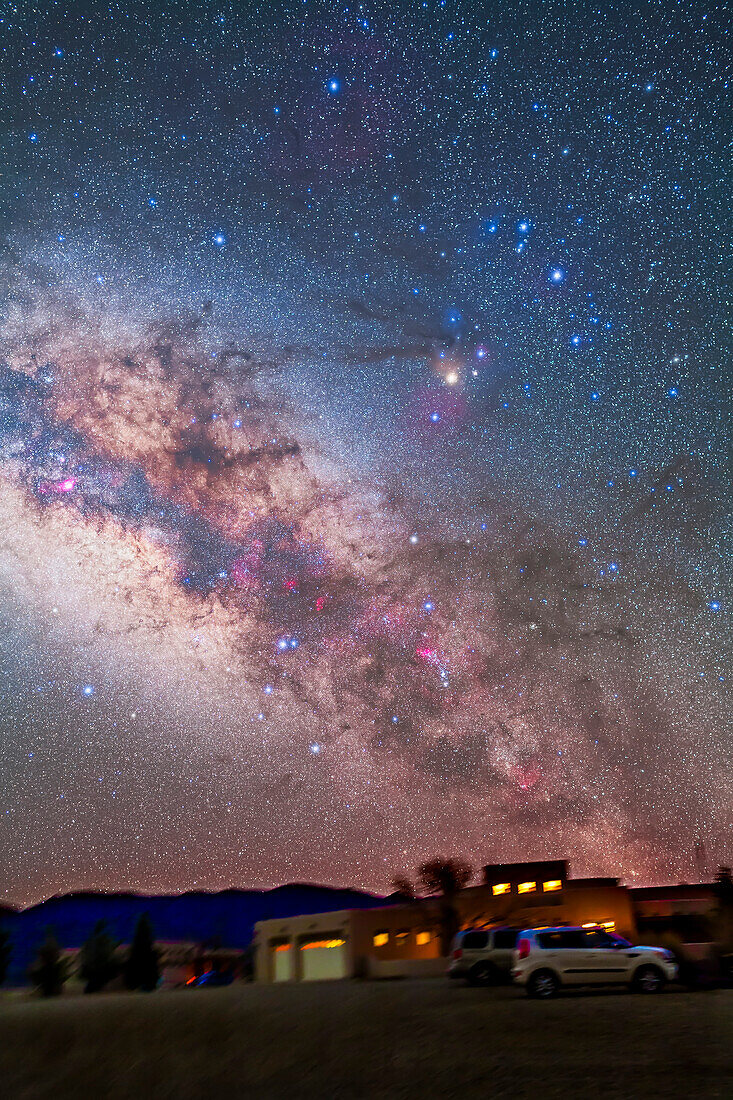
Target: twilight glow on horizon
364 485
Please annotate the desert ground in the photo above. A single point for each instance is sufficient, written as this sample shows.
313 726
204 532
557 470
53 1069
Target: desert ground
381 1039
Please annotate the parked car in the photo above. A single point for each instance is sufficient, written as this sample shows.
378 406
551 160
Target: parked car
546 959
483 956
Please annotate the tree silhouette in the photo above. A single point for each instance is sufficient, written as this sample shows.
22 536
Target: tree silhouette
97 962
445 877
141 969
5 953
49 970
402 885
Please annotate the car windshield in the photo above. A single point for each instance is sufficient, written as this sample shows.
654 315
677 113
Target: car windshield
619 941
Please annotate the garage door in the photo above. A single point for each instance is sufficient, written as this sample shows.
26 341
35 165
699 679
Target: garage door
323 959
282 963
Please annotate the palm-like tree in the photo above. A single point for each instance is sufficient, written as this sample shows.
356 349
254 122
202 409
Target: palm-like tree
441 877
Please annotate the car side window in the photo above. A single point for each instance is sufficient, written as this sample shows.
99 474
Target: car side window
505 938
473 940
594 938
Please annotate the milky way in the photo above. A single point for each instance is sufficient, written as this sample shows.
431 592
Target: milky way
363 491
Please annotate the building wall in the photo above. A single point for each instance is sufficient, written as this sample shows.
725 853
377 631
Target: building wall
412 932
573 904
292 932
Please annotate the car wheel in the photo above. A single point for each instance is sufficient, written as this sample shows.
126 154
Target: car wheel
482 974
543 984
648 979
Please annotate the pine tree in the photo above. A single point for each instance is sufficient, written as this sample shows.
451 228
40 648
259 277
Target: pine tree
49 971
141 969
97 962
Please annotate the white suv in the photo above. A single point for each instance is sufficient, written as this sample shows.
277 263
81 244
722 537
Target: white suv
548 958
483 956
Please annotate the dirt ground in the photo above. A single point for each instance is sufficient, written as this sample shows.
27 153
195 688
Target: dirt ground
380 1039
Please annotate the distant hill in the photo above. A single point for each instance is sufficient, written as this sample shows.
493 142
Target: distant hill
195 917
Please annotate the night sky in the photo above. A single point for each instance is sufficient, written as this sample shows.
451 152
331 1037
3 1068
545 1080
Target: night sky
363 488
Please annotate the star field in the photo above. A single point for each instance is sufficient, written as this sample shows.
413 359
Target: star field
363 441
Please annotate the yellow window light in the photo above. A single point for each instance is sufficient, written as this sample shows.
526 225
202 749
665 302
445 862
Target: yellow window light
422 938
282 947
552 884
526 887
380 938
501 888
322 943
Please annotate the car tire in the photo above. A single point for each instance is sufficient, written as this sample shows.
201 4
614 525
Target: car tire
542 985
483 974
648 979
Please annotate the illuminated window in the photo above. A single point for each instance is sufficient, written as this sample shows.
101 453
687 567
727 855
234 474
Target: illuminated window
552 884
526 887
500 888
322 943
422 938
282 947
402 936
380 938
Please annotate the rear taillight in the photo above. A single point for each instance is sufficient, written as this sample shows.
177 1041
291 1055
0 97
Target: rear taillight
458 954
523 949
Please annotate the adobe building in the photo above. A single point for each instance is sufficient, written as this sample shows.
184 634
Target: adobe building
404 939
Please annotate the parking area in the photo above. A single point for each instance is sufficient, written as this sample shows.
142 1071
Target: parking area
431 1038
